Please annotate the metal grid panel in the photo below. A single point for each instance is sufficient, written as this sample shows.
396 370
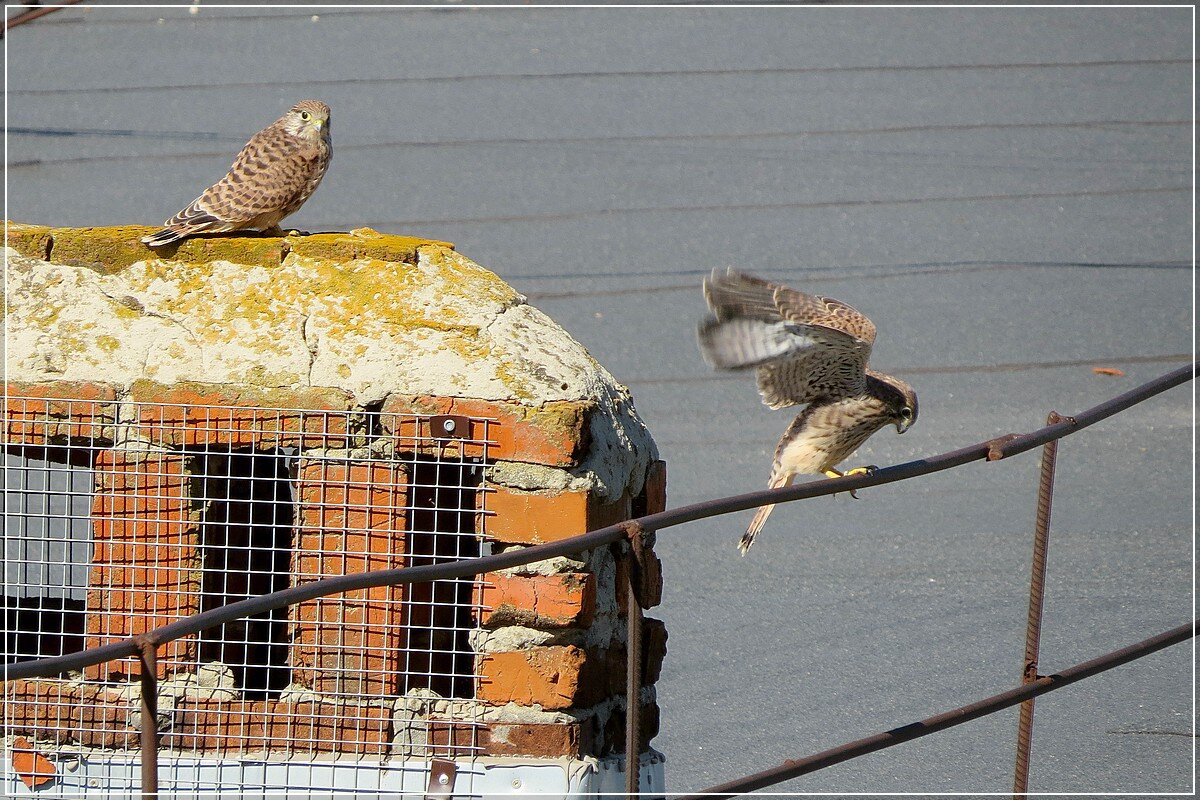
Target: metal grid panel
113 528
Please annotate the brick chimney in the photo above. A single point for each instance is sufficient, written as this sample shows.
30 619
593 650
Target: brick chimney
251 413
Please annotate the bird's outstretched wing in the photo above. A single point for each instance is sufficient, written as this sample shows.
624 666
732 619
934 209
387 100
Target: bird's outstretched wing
803 346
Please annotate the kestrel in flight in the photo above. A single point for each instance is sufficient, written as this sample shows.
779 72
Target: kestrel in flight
805 349
278 169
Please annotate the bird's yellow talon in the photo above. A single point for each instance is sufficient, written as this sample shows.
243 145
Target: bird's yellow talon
867 470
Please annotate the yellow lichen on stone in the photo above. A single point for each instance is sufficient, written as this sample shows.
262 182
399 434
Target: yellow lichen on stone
331 321
74 341
106 250
452 270
238 248
46 313
125 312
32 241
514 382
389 293
259 375
111 249
360 243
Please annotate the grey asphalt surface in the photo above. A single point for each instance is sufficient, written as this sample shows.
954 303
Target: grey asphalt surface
1007 193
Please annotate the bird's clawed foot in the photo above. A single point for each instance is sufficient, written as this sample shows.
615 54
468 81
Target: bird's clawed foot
867 470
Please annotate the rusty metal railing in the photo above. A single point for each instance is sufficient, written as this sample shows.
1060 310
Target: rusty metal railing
949 719
635 532
33 13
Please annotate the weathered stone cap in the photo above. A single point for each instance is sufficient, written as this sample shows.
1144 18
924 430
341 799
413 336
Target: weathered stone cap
373 315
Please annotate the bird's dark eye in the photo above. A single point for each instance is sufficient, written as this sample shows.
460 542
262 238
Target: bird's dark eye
304 115
906 413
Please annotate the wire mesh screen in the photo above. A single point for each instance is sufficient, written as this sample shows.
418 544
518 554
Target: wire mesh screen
118 524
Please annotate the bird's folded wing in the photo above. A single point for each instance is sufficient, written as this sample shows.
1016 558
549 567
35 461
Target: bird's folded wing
266 176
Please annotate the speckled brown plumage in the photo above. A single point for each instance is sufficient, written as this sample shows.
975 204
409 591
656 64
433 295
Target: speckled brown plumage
805 349
274 174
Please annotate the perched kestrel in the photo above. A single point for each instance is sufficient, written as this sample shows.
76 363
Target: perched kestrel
278 169
806 349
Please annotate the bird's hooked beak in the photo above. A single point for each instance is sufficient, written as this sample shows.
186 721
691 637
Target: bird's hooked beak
902 425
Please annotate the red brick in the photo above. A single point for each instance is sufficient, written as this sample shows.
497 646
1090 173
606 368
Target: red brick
365 499
604 670
515 517
352 519
654 649
651 581
144 498
146 568
606 674
455 738
539 601
547 676
653 498
64 714
232 726
539 740
217 726
554 434
59 412
195 414
41 709
103 720
33 768
329 727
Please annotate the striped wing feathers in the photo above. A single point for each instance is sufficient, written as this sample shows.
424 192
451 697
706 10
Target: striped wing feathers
268 175
803 346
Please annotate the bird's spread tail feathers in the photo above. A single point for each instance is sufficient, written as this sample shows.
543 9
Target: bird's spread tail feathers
760 519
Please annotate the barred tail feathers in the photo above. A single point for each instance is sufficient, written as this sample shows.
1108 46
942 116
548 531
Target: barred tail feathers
777 480
188 222
164 237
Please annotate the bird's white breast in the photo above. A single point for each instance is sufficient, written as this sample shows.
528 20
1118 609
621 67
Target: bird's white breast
828 434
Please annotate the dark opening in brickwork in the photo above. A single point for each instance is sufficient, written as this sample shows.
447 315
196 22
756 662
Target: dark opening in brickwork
247 510
440 615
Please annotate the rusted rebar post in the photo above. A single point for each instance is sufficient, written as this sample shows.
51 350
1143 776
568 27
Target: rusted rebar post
1037 595
149 726
633 662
